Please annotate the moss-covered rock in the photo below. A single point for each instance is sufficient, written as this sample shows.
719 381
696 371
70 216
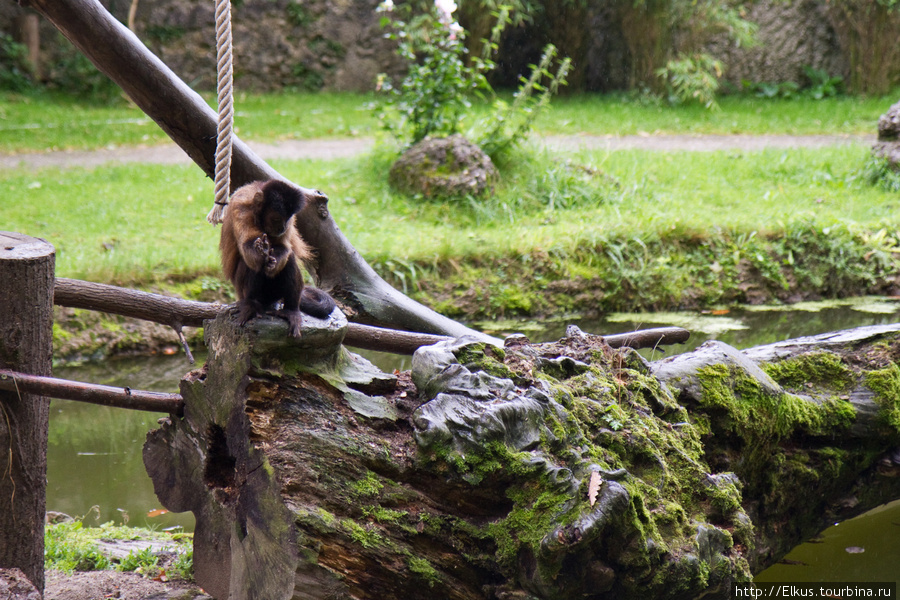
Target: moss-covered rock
451 167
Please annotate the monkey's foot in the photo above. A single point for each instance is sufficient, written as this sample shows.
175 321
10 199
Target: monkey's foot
247 309
295 321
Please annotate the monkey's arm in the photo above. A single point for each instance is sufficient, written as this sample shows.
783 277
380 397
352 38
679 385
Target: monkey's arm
252 242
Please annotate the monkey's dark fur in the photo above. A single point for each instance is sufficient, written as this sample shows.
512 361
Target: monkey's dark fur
260 248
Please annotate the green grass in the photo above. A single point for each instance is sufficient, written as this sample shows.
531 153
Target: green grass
70 546
140 223
43 121
120 224
645 225
739 114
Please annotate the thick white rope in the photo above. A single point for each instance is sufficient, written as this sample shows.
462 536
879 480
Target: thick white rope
224 89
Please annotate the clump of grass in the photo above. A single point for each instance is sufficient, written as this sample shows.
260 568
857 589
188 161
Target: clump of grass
140 561
70 546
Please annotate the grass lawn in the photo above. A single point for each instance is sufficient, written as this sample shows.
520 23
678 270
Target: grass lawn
641 227
41 122
144 223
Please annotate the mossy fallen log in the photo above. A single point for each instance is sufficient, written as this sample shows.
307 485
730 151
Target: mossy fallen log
553 471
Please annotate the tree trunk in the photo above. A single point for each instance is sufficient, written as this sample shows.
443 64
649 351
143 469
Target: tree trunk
29 26
553 471
26 337
191 123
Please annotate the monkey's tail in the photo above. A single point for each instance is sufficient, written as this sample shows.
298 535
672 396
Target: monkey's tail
315 302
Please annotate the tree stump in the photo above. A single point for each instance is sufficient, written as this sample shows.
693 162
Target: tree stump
26 345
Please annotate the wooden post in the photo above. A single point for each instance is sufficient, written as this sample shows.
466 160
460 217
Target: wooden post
26 336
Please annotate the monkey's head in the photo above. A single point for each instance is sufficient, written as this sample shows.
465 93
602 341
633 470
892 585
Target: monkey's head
281 201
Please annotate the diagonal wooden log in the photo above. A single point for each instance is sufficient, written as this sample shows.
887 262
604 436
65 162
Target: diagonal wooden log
191 123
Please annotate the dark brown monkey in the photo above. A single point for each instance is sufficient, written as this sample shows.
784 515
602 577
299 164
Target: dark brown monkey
260 248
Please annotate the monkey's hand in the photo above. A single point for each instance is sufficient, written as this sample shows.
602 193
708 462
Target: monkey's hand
265 250
262 245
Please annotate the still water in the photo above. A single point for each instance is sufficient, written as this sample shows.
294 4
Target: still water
94 454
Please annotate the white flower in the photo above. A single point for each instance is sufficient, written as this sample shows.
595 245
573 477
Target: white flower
385 6
446 8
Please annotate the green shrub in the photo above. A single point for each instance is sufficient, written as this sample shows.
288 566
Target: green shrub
693 79
436 94
15 72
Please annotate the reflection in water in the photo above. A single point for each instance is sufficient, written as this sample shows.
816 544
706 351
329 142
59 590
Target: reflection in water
94 452
94 456
865 549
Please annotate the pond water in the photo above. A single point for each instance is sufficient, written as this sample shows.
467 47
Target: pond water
94 453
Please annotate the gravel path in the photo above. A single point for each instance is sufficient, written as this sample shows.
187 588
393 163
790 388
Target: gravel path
347 147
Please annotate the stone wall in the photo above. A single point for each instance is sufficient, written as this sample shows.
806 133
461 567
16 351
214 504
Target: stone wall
791 35
304 44
339 44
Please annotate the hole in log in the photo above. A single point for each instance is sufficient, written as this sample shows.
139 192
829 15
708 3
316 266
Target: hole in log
220 465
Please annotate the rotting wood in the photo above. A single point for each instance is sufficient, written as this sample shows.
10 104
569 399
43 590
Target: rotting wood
477 482
65 389
178 313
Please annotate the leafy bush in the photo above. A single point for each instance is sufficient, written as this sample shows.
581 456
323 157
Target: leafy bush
434 95
822 85
693 79
786 89
15 72
511 123
819 85
437 92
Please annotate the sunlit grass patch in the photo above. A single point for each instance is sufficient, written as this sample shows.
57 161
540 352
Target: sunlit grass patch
70 546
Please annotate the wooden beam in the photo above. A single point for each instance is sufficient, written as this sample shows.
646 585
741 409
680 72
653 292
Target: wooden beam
65 389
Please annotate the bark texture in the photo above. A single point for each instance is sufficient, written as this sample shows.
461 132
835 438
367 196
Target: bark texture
26 337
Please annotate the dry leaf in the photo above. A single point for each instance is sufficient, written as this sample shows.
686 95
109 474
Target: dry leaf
594 486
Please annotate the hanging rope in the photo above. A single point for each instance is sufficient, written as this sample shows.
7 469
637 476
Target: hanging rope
224 78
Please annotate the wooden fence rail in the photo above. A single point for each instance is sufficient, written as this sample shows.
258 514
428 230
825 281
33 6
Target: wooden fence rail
65 389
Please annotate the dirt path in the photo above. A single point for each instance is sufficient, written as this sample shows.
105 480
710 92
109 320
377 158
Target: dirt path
347 147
